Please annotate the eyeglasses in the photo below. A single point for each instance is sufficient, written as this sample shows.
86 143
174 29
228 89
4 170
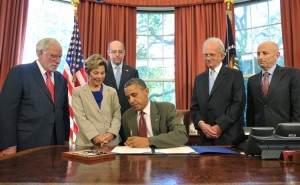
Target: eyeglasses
117 51
53 56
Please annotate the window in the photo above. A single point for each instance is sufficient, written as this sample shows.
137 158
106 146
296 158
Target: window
48 18
155 54
255 23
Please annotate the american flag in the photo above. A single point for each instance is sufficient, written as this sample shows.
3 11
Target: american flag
74 73
230 58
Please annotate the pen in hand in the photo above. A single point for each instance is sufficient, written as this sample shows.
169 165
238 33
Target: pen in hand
130 132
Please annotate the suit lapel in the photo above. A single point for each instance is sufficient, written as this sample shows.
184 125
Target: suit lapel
277 75
39 79
132 122
219 80
110 75
155 119
90 97
57 87
205 84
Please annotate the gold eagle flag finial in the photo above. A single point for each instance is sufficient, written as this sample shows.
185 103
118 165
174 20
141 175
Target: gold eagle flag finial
228 2
75 3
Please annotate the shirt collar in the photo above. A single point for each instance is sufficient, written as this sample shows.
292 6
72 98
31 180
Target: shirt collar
217 69
146 109
43 71
270 71
114 65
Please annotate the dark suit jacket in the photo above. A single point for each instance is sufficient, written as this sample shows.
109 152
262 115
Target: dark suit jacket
282 103
127 73
224 106
167 129
28 115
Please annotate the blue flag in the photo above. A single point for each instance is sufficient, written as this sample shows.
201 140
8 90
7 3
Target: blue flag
230 47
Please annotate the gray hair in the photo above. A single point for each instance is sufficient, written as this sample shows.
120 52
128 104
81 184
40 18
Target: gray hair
136 81
44 44
214 39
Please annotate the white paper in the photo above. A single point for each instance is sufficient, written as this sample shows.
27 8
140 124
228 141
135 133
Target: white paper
129 150
176 150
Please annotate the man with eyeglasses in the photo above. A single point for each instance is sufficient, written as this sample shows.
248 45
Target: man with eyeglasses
218 98
118 73
34 103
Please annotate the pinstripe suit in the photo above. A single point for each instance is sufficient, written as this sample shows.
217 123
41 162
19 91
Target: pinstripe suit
28 115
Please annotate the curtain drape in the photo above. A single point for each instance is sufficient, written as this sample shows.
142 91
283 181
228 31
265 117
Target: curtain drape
194 24
195 21
290 23
13 18
100 23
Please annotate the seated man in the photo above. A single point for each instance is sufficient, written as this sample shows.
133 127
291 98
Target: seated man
149 123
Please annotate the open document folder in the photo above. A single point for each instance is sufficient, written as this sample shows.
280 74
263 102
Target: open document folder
176 150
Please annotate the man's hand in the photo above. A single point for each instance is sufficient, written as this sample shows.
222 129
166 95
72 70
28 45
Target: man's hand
217 129
9 151
208 130
137 142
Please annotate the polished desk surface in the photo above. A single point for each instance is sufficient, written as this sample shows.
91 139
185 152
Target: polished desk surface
45 165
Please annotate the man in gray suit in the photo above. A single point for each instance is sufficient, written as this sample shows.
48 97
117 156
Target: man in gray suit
162 128
279 100
34 102
218 98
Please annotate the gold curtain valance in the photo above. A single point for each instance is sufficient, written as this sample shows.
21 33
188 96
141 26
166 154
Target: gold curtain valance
157 3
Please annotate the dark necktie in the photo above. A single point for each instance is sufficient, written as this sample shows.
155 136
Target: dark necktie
50 84
265 83
142 125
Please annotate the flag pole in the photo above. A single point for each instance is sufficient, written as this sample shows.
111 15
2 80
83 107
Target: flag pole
75 3
74 71
231 58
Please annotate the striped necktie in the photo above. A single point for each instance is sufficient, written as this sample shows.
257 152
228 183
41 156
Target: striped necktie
265 83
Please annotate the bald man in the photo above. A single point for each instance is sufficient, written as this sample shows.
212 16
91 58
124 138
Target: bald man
274 97
116 52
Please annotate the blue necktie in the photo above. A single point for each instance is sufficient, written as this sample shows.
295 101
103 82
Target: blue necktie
211 79
118 75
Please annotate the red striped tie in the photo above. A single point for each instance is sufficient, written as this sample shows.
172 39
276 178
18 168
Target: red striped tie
50 84
142 125
265 84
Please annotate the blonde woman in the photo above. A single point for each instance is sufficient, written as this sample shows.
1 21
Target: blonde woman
96 107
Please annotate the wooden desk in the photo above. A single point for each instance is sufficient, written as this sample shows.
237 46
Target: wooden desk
194 140
44 165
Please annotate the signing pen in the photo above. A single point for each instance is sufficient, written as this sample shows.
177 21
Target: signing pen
130 132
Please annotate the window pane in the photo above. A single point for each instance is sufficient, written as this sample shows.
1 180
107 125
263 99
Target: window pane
168 46
259 14
155 46
256 22
57 24
155 68
142 20
155 24
155 54
169 24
